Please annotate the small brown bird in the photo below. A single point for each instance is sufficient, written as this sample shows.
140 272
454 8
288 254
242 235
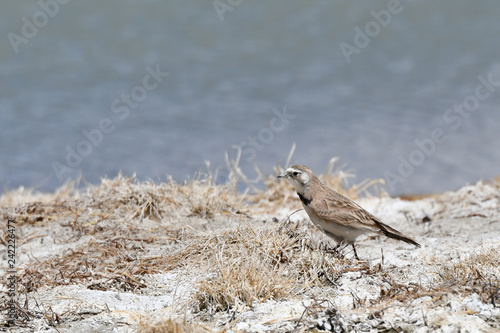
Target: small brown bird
336 215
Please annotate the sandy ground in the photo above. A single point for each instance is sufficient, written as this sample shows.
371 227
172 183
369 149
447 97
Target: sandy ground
450 284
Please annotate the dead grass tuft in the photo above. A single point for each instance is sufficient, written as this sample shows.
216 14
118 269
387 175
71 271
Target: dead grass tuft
478 273
131 198
212 201
322 315
170 326
253 264
36 211
241 281
475 274
22 195
197 197
110 265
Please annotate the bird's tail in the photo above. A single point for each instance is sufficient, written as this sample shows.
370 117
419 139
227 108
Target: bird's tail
393 233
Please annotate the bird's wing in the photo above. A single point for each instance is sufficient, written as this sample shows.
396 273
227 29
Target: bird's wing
336 208
342 210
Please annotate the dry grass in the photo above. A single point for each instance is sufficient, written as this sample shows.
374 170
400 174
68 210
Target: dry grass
251 264
111 265
197 197
127 223
482 264
24 195
127 198
240 282
170 326
323 316
478 273
236 267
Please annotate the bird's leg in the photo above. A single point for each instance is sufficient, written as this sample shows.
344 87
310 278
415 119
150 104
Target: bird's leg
355 253
336 251
339 249
330 249
336 248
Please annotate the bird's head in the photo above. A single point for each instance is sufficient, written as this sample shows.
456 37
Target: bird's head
299 176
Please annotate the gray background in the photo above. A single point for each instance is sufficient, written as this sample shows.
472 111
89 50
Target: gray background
226 77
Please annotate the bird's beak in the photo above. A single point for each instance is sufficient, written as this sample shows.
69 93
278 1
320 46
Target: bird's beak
283 175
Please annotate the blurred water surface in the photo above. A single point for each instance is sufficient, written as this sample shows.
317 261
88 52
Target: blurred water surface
229 78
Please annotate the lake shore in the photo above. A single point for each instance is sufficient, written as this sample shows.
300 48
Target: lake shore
129 256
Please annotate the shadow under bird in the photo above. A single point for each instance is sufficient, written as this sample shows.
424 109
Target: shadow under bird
335 214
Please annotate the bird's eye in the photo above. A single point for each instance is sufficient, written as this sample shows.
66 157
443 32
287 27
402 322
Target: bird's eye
295 173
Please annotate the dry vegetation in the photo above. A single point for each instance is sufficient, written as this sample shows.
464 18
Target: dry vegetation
170 326
117 235
475 274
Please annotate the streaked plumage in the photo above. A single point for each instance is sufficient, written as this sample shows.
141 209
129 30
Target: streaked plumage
333 213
